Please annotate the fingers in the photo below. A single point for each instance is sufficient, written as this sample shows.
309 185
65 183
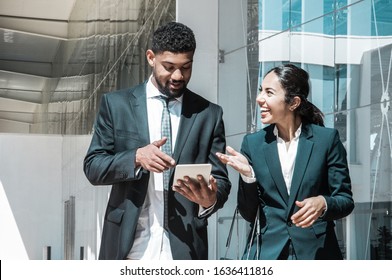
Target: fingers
236 160
223 158
197 190
160 142
184 188
231 151
308 213
306 222
153 159
191 186
213 184
166 158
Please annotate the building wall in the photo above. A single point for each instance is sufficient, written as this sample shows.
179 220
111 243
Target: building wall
40 175
30 175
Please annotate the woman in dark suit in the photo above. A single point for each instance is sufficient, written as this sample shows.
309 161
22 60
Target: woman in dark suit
294 171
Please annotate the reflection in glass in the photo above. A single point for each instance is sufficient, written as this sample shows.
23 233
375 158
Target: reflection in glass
346 46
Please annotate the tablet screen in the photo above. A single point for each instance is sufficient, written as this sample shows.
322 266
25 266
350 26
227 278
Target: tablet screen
192 170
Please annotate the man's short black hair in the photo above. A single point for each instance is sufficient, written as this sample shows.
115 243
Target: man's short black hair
174 37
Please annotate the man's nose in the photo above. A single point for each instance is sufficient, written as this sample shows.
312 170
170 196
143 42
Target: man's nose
177 75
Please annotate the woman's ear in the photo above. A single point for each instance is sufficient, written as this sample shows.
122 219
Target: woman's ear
295 103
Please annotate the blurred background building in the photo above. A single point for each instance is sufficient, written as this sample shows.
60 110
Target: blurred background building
57 57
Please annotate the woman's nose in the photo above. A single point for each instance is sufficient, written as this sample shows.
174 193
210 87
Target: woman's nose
260 98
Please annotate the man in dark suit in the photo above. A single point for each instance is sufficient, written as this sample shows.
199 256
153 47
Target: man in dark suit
144 218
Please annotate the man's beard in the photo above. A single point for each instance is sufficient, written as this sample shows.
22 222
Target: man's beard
165 90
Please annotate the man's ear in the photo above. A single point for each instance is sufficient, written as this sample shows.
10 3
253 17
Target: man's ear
150 55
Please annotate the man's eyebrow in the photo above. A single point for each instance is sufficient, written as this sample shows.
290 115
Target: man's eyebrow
171 63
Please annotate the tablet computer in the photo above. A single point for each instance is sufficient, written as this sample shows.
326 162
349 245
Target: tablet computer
192 170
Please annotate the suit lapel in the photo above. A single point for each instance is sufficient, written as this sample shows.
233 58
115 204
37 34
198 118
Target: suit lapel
188 116
139 107
304 152
273 163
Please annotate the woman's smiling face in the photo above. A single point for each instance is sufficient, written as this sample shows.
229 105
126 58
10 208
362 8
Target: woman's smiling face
271 99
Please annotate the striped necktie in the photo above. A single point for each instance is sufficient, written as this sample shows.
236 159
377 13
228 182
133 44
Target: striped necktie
167 149
166 132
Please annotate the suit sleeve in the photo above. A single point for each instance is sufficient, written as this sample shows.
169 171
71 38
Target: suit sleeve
248 196
340 202
102 164
219 170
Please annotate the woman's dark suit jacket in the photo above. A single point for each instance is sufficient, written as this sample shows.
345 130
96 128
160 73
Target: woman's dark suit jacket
320 169
121 128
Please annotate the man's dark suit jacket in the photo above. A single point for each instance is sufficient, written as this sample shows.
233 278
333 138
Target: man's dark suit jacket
121 128
320 169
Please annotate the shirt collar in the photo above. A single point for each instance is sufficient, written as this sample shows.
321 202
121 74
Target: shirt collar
153 92
296 134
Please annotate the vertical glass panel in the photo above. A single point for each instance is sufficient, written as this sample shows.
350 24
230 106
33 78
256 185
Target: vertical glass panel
359 15
381 18
292 14
340 104
346 47
335 17
312 16
274 15
340 17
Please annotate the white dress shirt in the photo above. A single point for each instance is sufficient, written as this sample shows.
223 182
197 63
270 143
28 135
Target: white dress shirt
287 154
151 240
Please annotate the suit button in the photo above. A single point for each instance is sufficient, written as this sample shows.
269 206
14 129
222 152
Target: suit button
289 224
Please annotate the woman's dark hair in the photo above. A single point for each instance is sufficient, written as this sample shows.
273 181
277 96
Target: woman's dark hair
295 81
174 37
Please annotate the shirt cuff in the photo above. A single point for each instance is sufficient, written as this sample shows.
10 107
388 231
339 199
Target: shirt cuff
326 208
205 211
251 179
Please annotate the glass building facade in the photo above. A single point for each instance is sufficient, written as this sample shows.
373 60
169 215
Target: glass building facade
346 46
